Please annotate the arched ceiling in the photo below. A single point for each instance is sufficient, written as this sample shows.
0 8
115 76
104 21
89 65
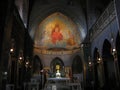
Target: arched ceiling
57 31
70 19
72 9
67 14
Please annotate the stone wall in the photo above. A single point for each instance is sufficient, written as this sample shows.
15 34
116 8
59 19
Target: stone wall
94 10
117 4
13 29
67 58
108 33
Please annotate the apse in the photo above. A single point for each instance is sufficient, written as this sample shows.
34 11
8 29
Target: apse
57 31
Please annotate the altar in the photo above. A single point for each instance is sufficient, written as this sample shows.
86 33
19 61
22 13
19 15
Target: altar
57 83
63 79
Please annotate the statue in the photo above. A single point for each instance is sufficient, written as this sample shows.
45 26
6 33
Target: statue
58 74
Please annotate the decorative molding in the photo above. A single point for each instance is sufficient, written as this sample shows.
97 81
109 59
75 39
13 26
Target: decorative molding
107 16
52 52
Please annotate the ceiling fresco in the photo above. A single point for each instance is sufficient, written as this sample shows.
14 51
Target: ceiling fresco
57 31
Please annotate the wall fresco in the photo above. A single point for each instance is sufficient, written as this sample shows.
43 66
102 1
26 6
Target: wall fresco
57 31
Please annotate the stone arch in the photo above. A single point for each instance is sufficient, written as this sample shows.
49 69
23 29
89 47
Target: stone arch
68 34
54 62
37 65
118 49
36 19
108 64
77 65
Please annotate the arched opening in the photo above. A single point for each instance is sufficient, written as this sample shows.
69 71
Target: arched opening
56 64
77 69
118 49
37 65
117 59
57 31
77 65
108 63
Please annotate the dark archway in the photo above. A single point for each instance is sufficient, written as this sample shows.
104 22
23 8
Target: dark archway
37 65
117 57
118 49
57 61
108 63
77 65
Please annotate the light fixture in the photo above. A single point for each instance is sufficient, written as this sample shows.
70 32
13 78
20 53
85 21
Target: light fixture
5 73
113 51
89 62
20 58
12 49
27 63
98 60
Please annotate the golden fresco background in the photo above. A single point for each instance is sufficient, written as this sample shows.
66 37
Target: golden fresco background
57 31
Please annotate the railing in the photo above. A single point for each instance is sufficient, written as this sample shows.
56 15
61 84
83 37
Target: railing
107 16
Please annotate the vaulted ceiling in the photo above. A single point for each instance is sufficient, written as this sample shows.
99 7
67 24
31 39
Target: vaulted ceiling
70 18
75 10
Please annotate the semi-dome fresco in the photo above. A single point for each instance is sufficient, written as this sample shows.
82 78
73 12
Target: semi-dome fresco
57 31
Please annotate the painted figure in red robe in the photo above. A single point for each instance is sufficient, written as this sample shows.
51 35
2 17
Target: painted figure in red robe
56 35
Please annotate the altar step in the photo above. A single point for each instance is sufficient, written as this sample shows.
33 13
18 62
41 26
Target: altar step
57 87
63 87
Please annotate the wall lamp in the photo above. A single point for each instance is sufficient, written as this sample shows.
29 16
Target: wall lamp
12 49
27 63
99 60
20 58
90 63
114 53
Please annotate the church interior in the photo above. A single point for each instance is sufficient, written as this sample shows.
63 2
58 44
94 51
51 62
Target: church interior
60 45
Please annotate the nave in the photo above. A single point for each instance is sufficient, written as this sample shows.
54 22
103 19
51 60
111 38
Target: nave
59 44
